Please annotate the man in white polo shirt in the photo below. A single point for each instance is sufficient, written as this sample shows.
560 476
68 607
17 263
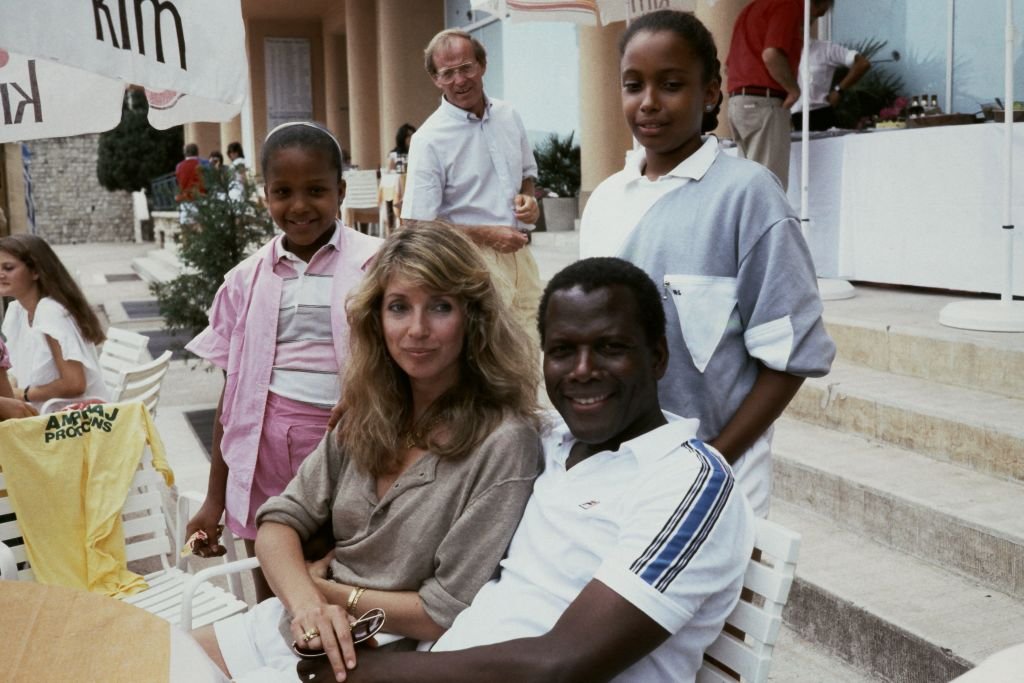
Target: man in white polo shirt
471 164
633 546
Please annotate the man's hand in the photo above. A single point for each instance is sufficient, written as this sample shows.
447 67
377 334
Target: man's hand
834 98
791 97
526 209
499 238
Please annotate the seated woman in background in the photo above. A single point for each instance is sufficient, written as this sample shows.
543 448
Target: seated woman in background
10 407
51 331
425 477
402 141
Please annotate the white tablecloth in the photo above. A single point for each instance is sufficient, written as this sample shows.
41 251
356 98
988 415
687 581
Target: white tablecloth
915 207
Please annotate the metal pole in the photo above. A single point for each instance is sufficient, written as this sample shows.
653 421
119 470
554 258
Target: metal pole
805 118
950 24
1007 296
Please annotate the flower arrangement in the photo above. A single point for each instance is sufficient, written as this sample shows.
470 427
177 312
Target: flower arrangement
896 110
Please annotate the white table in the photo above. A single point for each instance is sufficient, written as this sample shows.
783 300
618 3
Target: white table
916 207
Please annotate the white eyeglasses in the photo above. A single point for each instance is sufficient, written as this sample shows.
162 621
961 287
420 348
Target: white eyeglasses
467 70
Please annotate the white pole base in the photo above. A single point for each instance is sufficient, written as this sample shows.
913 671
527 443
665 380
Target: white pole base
831 289
987 316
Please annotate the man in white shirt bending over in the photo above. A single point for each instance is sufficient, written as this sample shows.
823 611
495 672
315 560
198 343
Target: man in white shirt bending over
471 164
824 58
632 548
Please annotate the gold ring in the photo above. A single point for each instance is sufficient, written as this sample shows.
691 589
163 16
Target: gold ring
310 635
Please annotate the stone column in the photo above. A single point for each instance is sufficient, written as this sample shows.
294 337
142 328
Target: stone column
363 92
720 16
407 94
604 136
231 131
206 135
336 88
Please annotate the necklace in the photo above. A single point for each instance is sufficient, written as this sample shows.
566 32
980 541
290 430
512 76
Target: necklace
416 437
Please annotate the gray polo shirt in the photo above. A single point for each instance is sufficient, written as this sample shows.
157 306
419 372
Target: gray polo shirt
440 530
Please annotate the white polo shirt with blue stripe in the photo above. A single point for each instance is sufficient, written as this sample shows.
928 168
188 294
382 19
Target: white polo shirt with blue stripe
659 521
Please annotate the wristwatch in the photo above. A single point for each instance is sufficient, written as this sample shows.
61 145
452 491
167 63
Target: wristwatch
837 89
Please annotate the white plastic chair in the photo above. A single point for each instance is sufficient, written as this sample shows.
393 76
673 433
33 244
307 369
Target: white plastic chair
362 204
133 383
122 350
142 382
148 534
759 617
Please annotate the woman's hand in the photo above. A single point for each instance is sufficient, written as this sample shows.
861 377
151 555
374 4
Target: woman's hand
12 408
321 568
326 627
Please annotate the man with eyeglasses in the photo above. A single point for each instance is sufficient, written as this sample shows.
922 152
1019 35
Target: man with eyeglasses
632 548
471 164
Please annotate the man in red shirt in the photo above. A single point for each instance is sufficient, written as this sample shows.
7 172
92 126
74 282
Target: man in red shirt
189 175
762 65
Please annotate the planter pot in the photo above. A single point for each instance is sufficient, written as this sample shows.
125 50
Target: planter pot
559 213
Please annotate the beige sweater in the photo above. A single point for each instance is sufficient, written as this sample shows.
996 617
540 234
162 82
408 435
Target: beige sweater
440 530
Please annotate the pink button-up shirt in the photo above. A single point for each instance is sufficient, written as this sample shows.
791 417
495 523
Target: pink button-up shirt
242 337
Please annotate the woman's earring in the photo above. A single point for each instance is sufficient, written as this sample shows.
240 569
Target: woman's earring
709 108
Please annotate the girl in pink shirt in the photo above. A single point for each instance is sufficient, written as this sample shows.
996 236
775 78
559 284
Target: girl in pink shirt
278 330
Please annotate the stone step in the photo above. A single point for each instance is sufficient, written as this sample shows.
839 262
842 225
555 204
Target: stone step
979 430
898 331
167 256
797 660
951 516
154 269
895 617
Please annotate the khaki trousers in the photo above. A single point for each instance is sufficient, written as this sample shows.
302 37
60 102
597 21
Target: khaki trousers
518 282
761 129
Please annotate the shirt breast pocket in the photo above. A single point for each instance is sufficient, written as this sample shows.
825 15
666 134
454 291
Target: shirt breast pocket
704 304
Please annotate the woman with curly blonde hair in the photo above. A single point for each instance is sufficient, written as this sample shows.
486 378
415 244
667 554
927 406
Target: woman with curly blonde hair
425 478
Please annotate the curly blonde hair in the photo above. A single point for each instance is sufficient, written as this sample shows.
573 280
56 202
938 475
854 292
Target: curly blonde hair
499 367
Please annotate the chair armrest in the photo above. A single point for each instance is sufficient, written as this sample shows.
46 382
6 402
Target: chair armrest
8 565
193 583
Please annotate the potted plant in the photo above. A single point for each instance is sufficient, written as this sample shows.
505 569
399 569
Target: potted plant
558 172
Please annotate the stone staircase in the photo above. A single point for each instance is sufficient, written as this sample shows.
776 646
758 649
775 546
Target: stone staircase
157 265
904 472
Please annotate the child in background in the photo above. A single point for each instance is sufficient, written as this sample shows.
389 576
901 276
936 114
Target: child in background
278 330
10 407
744 327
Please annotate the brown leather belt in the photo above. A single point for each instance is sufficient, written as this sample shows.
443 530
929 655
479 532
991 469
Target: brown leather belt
758 91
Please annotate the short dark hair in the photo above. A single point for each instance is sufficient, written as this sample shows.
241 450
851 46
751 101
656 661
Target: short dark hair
236 148
604 271
305 135
191 150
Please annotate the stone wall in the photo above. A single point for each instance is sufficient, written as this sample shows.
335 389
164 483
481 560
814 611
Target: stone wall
71 205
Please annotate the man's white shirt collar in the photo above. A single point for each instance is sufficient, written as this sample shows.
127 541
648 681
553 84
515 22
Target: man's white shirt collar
692 167
463 115
652 444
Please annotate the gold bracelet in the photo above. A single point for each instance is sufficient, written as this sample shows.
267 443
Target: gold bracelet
353 599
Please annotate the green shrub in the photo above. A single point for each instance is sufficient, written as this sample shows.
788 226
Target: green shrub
558 165
230 225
